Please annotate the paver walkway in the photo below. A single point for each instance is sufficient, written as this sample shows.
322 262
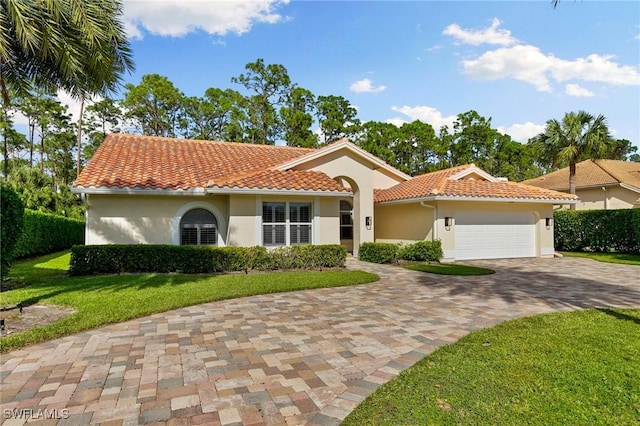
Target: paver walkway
307 357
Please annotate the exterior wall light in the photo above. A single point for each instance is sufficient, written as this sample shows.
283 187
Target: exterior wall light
448 222
548 221
367 222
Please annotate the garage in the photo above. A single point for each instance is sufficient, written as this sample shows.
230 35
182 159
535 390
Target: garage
494 235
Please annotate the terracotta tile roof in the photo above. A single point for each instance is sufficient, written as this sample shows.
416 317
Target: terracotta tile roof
278 179
591 173
441 183
145 162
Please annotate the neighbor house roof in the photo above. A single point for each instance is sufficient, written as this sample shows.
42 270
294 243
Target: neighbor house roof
466 182
145 162
592 173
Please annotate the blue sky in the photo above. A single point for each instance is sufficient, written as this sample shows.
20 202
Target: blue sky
520 63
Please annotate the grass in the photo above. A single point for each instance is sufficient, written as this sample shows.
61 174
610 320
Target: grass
105 299
578 368
449 269
627 259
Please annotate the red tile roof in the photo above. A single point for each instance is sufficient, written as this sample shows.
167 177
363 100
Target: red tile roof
145 162
443 184
591 173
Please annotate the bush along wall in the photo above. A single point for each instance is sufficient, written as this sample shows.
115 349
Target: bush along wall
11 223
110 259
597 230
45 233
420 251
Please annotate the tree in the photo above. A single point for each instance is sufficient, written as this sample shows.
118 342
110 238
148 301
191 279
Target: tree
297 118
620 149
211 116
473 141
578 136
377 138
337 118
100 118
12 216
270 84
78 46
155 104
514 160
418 149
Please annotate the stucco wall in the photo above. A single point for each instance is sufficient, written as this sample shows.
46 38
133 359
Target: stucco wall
361 174
614 197
127 219
136 219
403 223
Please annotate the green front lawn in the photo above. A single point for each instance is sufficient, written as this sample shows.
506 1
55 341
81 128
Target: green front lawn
563 368
105 299
449 269
628 259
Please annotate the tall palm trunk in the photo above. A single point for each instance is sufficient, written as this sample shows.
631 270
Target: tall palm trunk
79 138
572 180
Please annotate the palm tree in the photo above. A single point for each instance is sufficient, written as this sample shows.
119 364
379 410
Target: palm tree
78 46
579 136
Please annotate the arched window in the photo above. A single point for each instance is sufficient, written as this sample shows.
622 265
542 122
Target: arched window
198 227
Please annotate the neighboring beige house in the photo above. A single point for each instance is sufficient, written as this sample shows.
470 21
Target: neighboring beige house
600 184
152 190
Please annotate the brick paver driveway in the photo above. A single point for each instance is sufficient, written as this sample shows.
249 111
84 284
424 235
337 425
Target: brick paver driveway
303 357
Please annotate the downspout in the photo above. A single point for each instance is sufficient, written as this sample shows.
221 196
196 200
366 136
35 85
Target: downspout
434 234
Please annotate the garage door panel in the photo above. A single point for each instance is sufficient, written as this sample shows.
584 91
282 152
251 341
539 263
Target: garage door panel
494 235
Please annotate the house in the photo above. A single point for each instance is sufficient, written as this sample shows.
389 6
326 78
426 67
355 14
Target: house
600 184
152 190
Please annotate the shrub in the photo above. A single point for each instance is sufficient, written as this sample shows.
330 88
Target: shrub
567 230
378 252
109 259
11 222
422 251
306 257
598 230
45 233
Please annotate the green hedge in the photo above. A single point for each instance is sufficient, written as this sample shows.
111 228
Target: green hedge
109 259
11 224
421 251
45 233
597 230
378 252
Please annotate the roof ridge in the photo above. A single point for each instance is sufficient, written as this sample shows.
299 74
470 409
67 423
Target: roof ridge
598 162
182 140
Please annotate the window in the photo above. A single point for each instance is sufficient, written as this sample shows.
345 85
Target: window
346 221
277 219
198 227
300 223
274 225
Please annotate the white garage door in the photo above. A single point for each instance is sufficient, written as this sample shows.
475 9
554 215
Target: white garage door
494 235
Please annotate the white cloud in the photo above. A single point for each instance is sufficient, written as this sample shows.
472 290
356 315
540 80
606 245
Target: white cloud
396 121
522 132
175 18
490 35
598 68
366 86
527 63
577 90
425 114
